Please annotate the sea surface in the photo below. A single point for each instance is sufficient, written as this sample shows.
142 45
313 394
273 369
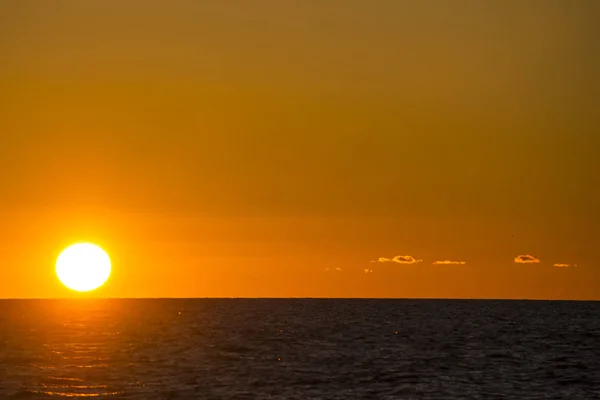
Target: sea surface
299 349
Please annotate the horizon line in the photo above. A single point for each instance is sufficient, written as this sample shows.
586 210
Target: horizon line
296 298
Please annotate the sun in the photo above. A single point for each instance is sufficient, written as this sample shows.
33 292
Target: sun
83 267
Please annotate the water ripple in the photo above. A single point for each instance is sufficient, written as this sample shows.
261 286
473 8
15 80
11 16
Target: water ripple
299 349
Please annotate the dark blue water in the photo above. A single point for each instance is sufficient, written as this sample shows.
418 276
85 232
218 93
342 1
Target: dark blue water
299 349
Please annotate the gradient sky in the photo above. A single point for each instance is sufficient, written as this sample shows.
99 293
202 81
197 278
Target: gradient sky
276 148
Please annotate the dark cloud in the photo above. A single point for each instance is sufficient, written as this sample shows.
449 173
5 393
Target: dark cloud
398 260
526 259
405 260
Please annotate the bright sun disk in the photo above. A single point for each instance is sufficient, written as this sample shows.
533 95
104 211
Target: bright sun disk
83 267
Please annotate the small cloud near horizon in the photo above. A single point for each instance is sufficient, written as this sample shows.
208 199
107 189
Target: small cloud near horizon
405 260
448 262
368 271
399 260
526 259
560 265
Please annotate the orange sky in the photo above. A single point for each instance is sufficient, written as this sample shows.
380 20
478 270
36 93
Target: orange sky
240 148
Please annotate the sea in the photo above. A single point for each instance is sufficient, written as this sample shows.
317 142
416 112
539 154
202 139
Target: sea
299 349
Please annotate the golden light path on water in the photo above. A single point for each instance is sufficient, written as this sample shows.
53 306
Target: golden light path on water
79 349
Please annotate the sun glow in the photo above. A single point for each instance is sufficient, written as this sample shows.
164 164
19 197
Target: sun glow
83 267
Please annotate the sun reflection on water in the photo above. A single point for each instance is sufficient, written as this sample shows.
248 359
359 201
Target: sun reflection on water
78 348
